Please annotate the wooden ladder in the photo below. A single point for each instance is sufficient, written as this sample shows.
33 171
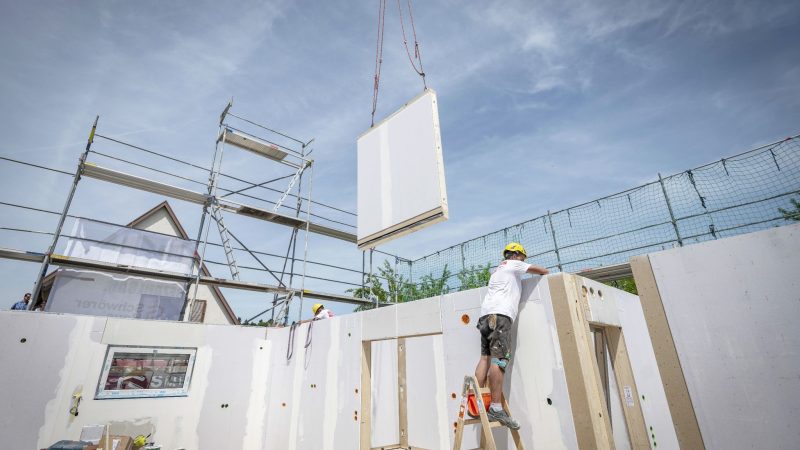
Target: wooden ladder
487 440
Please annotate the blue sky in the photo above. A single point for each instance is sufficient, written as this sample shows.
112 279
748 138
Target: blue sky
542 104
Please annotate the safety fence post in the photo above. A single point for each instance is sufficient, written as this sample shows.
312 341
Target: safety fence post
555 242
671 213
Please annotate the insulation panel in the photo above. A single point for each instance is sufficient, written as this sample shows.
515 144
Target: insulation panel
297 387
732 308
401 186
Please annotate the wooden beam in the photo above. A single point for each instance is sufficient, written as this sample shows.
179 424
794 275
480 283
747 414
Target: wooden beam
669 365
589 410
626 386
366 396
602 365
402 394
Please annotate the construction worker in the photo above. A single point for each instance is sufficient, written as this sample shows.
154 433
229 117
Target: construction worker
22 304
498 312
320 312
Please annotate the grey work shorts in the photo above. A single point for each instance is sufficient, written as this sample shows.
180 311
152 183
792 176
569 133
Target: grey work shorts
495 335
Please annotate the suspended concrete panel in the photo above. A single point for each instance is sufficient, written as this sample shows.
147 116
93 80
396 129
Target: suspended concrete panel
401 185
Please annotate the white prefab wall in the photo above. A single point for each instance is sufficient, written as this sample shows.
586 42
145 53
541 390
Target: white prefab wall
733 307
401 183
300 388
615 306
48 357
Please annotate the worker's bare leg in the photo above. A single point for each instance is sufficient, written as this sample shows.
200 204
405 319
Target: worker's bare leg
496 383
482 370
496 411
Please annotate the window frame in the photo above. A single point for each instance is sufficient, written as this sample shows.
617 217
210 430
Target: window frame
103 394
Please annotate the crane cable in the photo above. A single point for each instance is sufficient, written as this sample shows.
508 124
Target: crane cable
379 50
378 57
417 55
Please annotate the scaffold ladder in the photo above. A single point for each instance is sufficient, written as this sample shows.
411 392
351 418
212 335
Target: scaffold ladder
471 389
225 237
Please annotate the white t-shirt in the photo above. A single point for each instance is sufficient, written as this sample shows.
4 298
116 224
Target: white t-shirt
505 289
324 314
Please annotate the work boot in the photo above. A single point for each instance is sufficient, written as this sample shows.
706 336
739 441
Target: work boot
503 417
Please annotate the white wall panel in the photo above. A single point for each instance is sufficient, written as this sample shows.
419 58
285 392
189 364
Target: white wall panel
314 398
624 309
535 374
384 393
415 318
733 306
310 401
64 354
428 423
401 183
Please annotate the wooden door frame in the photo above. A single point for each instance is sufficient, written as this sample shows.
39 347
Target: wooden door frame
584 383
402 394
681 408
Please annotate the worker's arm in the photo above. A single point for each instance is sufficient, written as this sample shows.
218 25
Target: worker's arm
538 270
280 325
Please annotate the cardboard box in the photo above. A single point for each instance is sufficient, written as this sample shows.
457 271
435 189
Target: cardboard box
116 442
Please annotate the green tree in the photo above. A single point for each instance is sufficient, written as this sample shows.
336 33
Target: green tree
474 277
260 323
792 213
626 284
390 286
428 286
372 289
395 290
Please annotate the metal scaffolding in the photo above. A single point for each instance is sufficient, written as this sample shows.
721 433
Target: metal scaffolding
215 201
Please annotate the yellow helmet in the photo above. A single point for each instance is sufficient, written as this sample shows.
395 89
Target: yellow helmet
515 247
315 309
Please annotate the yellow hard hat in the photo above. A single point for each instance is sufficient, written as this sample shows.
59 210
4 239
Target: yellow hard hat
515 247
317 306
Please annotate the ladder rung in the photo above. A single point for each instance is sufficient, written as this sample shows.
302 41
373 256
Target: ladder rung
493 424
485 390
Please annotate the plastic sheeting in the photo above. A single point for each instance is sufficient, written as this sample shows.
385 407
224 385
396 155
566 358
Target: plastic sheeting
103 294
130 247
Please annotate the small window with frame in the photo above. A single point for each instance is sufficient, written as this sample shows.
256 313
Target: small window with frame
146 372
